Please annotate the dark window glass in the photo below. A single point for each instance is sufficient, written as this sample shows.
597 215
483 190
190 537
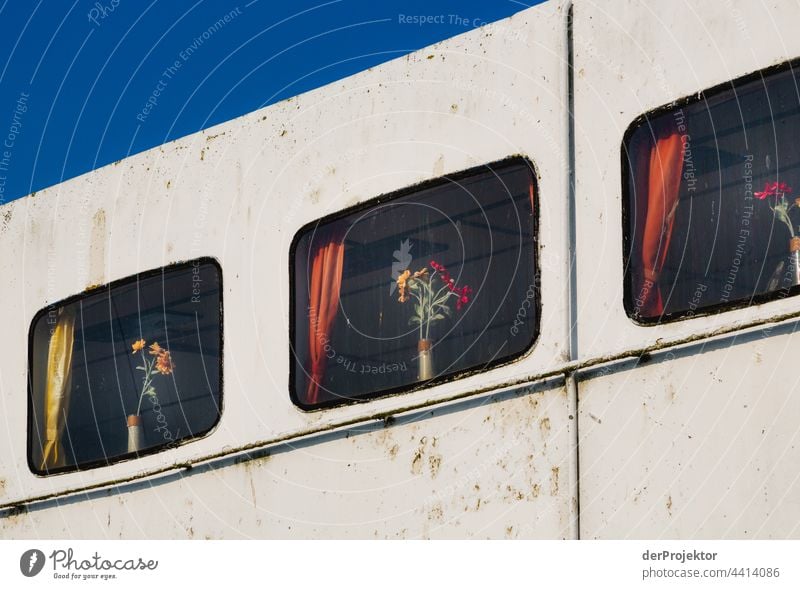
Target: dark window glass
415 287
711 203
129 368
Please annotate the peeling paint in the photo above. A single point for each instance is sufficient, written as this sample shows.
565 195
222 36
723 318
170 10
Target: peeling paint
554 481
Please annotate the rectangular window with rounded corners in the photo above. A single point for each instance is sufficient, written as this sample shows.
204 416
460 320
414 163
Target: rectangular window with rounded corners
126 369
711 208
424 285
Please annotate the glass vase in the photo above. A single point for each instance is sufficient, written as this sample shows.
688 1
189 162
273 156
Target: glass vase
135 433
787 273
425 349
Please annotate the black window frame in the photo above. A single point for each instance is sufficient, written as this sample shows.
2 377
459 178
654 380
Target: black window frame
627 241
94 290
514 160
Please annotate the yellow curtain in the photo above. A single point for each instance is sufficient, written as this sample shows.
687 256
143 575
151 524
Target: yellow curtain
58 389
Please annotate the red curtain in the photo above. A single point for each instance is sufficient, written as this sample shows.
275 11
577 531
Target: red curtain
325 283
659 166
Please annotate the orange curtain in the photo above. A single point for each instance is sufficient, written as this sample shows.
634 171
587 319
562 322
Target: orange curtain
658 180
325 283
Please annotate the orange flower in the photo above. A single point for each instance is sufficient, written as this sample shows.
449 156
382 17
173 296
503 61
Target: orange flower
155 349
138 345
401 280
401 285
164 363
421 273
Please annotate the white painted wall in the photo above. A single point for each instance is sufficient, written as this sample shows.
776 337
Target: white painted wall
239 192
702 442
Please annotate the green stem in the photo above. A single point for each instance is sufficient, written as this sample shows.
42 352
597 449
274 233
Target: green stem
419 298
148 378
431 298
784 217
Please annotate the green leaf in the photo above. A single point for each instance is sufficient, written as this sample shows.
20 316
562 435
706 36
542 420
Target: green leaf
155 372
437 317
414 320
141 368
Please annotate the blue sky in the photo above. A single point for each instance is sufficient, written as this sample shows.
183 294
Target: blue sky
87 82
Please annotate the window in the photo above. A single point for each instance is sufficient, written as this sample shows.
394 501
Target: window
415 287
127 369
710 206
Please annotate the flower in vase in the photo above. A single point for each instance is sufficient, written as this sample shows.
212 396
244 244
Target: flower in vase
782 207
164 363
401 286
433 293
161 364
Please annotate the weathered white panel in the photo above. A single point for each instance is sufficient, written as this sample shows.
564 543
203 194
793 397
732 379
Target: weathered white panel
699 443
239 192
632 56
496 467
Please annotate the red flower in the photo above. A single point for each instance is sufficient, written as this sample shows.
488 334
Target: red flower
773 189
463 292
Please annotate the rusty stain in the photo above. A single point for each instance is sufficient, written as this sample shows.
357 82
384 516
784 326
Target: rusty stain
430 57
535 490
454 108
669 504
393 451
544 426
436 513
416 462
554 481
283 133
202 154
435 463
169 183
638 494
